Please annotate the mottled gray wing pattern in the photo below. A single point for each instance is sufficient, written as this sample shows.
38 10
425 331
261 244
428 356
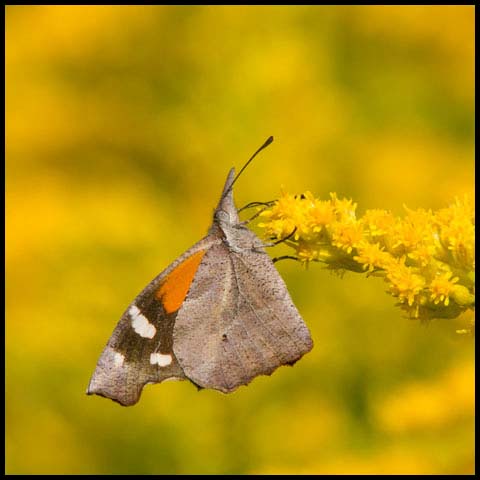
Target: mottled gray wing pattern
238 323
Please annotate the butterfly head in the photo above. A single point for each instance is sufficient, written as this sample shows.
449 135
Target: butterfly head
226 212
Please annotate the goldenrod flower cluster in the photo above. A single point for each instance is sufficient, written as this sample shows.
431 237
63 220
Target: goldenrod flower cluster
426 258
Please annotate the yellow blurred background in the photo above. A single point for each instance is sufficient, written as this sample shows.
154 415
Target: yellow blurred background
121 125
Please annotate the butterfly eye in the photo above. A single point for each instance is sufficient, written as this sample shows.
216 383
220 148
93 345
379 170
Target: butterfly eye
223 216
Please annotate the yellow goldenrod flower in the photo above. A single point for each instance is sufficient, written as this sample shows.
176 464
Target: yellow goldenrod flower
320 215
346 235
427 258
423 254
441 287
412 231
404 283
344 208
457 231
378 222
372 256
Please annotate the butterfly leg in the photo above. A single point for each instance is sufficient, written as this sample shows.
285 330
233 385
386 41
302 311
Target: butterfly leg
285 257
255 204
258 250
290 235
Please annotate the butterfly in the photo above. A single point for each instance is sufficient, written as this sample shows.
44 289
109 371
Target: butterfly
218 316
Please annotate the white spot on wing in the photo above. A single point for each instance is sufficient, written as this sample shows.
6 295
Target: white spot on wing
160 359
118 359
140 323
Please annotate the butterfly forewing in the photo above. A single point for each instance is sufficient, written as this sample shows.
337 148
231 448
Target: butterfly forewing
140 350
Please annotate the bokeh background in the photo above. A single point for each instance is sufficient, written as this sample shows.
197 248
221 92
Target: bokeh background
121 125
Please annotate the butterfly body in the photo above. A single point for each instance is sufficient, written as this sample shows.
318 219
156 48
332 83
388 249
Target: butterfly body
219 316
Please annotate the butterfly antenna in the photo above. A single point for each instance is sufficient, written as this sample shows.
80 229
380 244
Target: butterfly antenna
268 141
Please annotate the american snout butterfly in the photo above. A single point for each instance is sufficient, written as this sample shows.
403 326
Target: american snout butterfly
219 316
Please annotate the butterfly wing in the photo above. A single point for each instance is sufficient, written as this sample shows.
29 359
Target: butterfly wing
238 323
140 350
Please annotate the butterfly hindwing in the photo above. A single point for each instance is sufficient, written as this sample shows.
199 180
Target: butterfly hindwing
243 315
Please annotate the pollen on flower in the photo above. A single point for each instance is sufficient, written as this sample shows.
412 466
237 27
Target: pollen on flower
344 208
459 237
347 235
441 287
372 256
307 254
321 214
378 222
423 254
287 214
404 283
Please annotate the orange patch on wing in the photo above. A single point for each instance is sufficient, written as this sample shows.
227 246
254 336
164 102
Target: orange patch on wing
174 288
